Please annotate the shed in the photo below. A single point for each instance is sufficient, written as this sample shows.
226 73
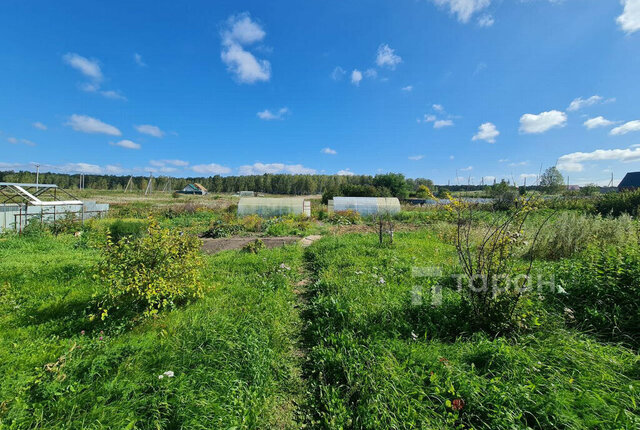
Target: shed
23 203
365 205
273 206
194 188
631 181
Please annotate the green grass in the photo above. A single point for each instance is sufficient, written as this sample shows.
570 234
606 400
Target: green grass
377 360
233 352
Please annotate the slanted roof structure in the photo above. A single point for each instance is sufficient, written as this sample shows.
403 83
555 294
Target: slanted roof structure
630 181
273 206
365 205
35 195
194 188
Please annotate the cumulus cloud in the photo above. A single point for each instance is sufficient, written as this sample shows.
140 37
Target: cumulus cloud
329 151
580 103
211 169
438 107
114 95
487 132
338 73
149 129
466 169
89 68
162 163
262 168
573 162
629 21
87 124
39 125
356 77
407 89
598 121
532 124
463 9
442 123
625 128
386 57
485 20
416 157
125 143
267 115
239 32
16 141
345 172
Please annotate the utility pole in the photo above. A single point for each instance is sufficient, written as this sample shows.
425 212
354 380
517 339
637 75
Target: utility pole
149 189
129 184
37 176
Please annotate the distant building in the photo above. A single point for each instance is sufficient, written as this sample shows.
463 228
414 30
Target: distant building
365 205
194 188
631 181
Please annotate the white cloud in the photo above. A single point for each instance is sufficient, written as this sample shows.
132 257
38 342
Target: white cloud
386 57
114 95
485 20
573 162
598 121
137 58
629 21
329 151
345 172
580 103
416 157
125 143
371 73
161 163
438 107
442 123
525 176
518 163
89 68
488 179
15 141
211 169
87 124
530 123
463 9
487 132
267 115
262 168
408 88
39 125
241 31
338 73
626 128
149 129
356 77
466 169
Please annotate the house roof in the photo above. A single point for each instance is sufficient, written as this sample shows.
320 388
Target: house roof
631 179
199 186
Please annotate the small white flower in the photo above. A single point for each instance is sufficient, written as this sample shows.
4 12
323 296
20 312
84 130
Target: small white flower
414 336
381 280
169 374
160 376
359 272
285 267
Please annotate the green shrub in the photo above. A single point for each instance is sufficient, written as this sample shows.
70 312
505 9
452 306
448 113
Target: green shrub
220 228
151 272
616 204
254 247
348 217
603 293
287 226
120 229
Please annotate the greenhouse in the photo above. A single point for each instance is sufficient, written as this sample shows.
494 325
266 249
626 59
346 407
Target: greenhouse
270 207
365 205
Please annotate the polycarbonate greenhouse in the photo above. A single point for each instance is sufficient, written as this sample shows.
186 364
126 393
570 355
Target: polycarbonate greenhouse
272 206
365 205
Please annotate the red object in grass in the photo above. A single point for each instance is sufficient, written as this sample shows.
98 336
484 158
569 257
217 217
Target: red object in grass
457 404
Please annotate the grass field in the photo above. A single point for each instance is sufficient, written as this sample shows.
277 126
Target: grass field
346 333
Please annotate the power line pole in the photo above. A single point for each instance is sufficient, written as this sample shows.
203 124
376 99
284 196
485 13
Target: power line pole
37 176
149 189
129 184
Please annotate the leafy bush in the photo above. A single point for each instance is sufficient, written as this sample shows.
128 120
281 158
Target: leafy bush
603 293
151 272
348 217
252 223
220 228
571 233
616 204
287 226
254 247
120 229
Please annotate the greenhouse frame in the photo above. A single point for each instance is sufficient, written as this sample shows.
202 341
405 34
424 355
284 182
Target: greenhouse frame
273 206
365 205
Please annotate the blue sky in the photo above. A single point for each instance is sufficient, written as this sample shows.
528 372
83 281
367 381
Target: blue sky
442 89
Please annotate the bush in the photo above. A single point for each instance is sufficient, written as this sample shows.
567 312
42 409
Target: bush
254 247
602 293
151 272
220 228
571 233
616 204
348 217
120 229
287 226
